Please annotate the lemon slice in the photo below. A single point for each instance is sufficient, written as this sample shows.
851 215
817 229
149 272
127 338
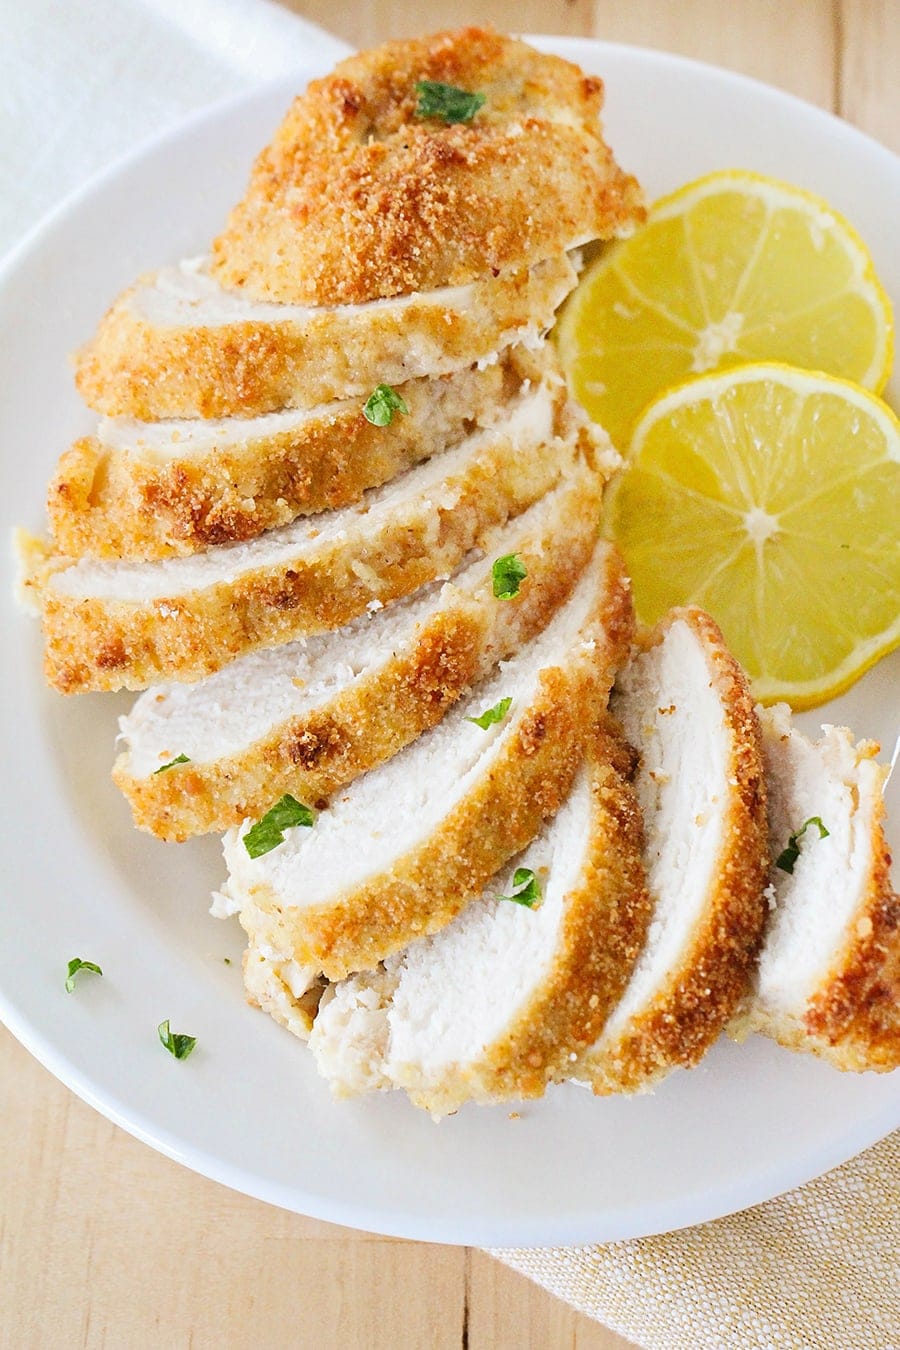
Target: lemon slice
732 268
770 497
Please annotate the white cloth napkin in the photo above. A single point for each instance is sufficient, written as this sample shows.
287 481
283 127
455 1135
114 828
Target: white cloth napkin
815 1270
80 84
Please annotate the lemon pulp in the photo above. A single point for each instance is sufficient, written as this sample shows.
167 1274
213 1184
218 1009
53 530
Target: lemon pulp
733 268
770 497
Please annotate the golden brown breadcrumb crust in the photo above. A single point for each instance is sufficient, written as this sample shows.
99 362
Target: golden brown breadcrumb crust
93 643
111 503
311 755
854 1021
497 817
133 368
694 1005
357 197
602 933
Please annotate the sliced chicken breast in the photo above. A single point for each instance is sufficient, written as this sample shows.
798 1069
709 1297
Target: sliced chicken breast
148 490
178 345
685 706
128 625
404 848
828 979
312 715
503 1000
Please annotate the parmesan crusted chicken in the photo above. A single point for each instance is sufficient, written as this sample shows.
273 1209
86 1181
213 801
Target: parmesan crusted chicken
378 183
500 1002
178 345
828 979
146 490
340 521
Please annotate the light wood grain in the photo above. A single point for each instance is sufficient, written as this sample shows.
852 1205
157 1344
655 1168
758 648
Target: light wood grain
380 20
104 1243
506 1311
867 89
789 43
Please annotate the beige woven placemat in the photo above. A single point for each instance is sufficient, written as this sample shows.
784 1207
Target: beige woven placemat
815 1269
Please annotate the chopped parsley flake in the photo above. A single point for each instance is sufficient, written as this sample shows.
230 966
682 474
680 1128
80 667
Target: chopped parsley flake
446 102
179 759
526 888
382 403
789 855
73 968
507 574
268 833
492 715
178 1045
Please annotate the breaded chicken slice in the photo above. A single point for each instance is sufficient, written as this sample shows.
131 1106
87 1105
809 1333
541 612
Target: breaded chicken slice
499 1003
402 850
685 707
828 980
146 490
126 625
177 345
311 715
368 190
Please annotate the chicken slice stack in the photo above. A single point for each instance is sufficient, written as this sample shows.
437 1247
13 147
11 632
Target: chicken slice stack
338 521
317 444
338 405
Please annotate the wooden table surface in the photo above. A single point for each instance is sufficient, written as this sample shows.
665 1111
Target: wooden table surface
104 1243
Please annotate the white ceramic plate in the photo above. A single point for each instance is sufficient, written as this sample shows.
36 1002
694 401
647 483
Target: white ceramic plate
248 1108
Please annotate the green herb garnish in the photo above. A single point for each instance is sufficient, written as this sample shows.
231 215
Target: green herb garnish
446 101
789 855
179 759
526 888
176 1044
382 403
508 573
74 966
492 715
268 833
